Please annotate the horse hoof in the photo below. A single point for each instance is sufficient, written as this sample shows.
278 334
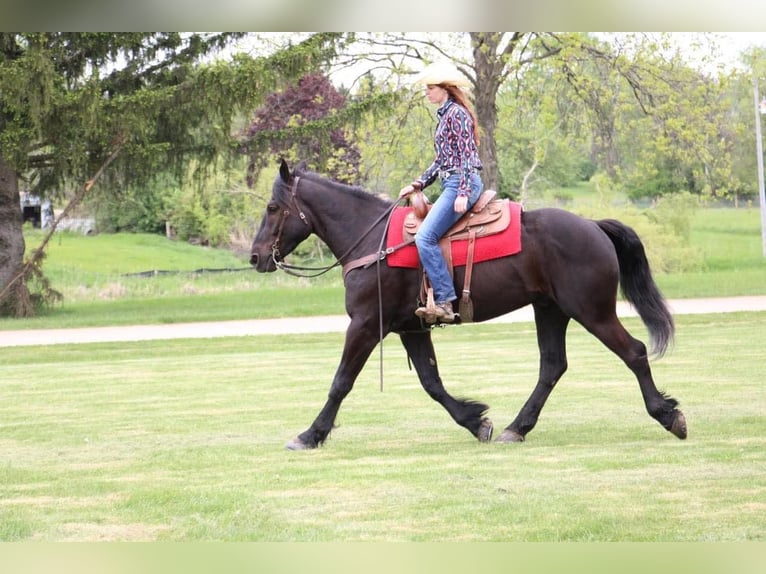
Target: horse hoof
297 444
485 430
678 427
509 436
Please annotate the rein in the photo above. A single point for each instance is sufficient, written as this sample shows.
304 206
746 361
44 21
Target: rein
297 270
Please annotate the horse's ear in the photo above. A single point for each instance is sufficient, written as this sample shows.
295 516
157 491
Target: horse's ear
302 165
284 170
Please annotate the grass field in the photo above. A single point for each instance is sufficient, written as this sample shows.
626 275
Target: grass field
183 440
731 244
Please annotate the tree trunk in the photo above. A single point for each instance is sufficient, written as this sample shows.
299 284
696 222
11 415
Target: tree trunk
486 114
15 302
488 68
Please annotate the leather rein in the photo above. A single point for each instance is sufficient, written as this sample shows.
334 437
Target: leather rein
298 270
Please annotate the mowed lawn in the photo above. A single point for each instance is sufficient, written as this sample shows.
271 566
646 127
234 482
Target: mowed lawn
183 440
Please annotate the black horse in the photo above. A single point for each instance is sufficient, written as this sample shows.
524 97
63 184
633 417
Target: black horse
569 268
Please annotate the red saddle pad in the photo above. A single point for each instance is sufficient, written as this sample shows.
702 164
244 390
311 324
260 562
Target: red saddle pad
488 247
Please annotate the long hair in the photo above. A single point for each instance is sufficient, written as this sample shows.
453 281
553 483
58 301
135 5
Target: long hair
461 98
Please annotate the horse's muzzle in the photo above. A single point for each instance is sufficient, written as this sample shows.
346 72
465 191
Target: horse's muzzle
262 264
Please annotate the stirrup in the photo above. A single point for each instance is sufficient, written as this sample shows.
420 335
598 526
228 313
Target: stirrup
428 313
432 312
435 314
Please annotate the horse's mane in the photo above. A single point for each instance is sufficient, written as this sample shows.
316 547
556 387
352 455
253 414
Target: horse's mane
354 190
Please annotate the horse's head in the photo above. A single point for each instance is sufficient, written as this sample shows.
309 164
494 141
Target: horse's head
283 226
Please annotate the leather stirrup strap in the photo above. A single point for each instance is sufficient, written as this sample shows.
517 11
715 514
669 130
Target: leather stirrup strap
466 305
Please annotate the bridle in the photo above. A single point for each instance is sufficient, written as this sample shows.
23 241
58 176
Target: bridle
275 255
298 270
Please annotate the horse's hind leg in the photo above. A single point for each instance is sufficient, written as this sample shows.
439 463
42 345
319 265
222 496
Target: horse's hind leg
661 407
551 340
467 413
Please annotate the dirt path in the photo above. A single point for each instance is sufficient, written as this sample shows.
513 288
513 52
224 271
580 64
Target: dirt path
322 324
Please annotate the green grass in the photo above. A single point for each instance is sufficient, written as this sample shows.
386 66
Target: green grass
729 238
91 272
114 254
184 441
731 246
221 305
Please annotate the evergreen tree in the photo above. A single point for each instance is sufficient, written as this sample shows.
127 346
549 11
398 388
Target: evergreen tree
148 101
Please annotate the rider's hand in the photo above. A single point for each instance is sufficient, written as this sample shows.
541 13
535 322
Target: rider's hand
406 190
461 204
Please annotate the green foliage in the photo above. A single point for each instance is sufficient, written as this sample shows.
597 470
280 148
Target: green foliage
206 214
215 210
663 228
397 143
675 212
657 125
75 95
273 131
539 144
132 209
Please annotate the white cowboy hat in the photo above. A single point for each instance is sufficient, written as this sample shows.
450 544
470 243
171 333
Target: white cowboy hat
442 73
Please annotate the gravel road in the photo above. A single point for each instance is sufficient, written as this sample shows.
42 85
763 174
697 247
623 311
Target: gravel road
322 324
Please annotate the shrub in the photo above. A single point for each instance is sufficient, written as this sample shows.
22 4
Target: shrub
663 227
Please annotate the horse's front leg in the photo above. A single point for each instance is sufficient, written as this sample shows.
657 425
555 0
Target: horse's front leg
361 339
467 413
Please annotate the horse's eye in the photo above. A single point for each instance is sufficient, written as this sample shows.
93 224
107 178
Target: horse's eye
272 208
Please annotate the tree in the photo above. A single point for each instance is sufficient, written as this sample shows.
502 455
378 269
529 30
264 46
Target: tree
659 125
542 137
312 98
618 88
496 56
70 100
488 60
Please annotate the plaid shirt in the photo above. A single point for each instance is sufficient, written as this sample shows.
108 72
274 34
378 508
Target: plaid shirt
456 150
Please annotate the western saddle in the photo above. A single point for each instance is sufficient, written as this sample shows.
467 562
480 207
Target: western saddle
487 217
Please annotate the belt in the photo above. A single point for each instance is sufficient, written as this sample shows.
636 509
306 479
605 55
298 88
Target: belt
445 173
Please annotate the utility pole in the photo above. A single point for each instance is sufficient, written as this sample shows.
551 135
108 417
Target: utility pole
760 108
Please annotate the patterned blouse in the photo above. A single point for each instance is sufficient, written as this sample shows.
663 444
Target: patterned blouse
456 150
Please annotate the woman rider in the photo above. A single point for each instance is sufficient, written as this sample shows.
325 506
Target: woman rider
457 165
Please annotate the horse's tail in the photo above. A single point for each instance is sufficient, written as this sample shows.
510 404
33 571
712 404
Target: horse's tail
638 286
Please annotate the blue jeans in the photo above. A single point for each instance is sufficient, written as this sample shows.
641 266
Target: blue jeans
439 219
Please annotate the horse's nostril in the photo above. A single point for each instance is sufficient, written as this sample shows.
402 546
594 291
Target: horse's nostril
253 259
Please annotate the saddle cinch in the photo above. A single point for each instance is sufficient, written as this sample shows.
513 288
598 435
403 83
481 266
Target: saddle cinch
487 217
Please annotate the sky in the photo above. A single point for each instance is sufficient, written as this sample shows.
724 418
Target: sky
732 45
